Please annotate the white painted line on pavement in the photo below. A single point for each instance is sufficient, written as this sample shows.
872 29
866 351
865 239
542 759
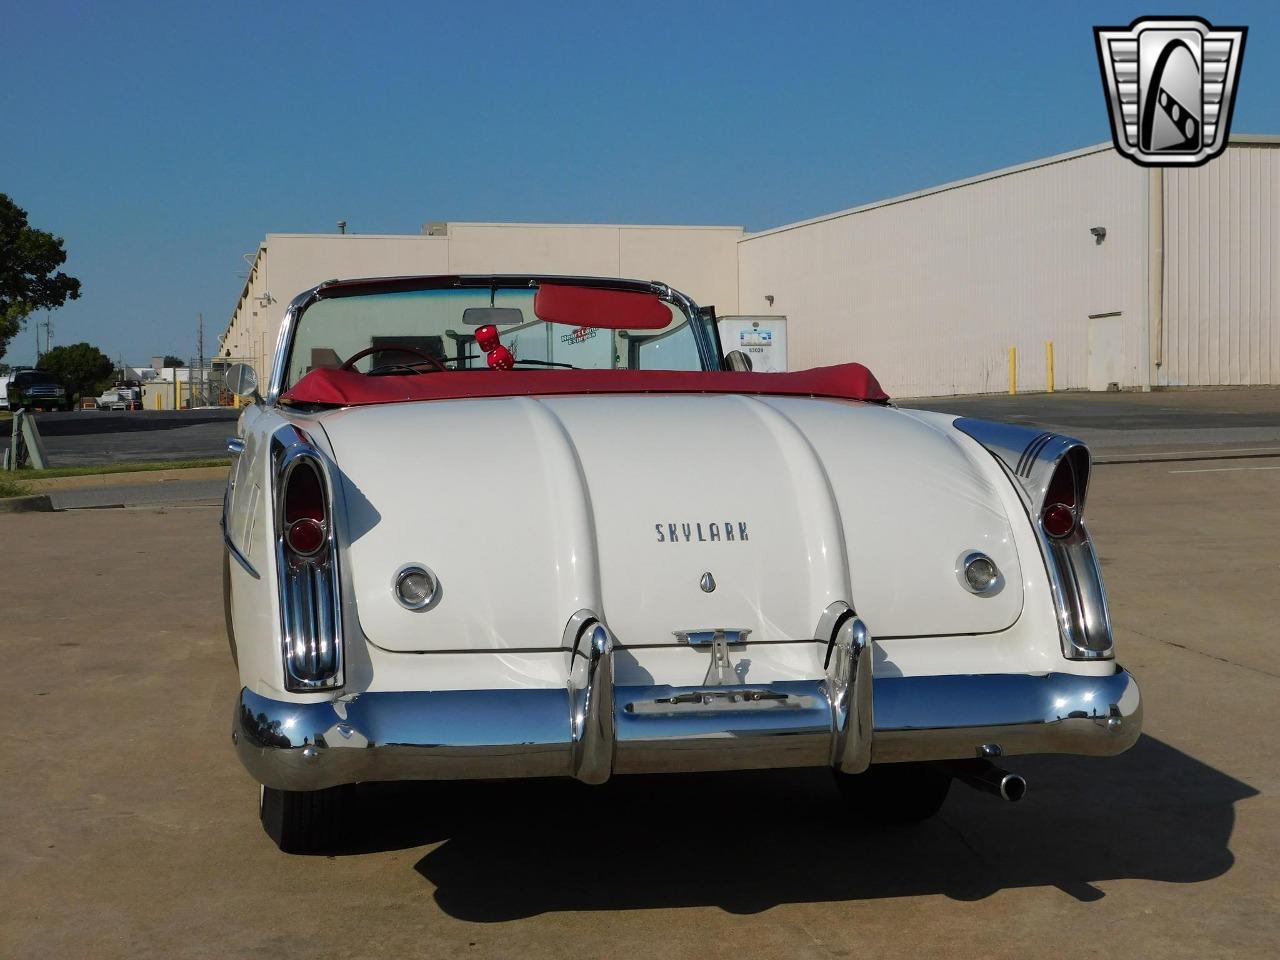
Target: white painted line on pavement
1184 453
1224 469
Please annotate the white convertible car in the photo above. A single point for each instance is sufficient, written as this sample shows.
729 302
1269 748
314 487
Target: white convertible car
524 526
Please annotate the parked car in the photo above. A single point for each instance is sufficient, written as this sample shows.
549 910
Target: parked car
522 526
30 389
120 397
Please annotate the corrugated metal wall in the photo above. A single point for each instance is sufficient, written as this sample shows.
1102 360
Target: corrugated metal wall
1222 270
931 291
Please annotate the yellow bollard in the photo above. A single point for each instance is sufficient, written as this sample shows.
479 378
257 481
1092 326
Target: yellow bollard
157 396
1048 363
1013 370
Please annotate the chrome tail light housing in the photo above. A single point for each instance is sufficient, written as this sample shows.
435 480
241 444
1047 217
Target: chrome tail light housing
1051 474
306 564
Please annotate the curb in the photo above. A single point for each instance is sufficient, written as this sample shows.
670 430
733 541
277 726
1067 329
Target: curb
39 503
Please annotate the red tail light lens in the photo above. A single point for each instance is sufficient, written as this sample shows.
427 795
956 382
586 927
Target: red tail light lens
305 517
305 536
1058 519
1060 502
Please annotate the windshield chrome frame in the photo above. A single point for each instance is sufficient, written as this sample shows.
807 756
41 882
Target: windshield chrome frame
703 336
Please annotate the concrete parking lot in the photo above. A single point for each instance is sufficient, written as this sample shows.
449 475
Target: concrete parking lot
130 829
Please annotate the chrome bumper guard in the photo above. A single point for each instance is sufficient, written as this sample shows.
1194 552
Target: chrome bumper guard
595 729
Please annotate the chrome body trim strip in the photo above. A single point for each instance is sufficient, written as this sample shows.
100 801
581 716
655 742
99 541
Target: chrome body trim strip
239 557
460 734
1028 454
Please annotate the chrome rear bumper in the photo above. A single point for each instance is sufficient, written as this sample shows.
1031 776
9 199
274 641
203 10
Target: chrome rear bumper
633 729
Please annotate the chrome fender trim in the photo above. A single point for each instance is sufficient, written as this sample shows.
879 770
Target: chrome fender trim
1029 457
239 557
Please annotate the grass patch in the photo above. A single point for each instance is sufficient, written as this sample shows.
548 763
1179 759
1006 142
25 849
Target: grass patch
10 486
90 470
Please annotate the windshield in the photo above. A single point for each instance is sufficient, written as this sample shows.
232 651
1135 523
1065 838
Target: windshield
405 327
33 377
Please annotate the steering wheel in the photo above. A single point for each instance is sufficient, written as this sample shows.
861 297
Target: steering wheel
387 348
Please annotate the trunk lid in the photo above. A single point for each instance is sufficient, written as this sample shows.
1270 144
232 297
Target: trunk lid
530 509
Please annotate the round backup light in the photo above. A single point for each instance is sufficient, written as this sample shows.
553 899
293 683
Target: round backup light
1058 520
978 573
305 536
415 587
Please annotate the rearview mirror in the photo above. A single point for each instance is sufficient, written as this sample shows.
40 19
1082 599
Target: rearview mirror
242 381
497 316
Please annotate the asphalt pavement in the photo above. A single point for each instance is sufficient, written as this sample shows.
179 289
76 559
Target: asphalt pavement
1120 426
90 437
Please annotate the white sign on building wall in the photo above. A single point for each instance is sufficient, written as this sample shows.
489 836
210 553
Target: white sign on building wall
763 339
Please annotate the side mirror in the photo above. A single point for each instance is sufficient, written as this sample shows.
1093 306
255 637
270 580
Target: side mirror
738 361
243 382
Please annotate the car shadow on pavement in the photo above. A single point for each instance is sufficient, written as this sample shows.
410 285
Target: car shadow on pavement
746 842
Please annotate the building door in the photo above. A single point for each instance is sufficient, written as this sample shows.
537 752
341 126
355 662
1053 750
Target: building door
1106 350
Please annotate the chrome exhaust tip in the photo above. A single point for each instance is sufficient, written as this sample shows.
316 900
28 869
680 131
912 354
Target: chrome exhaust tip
986 776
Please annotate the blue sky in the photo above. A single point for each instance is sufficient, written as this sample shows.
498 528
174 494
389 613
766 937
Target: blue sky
162 141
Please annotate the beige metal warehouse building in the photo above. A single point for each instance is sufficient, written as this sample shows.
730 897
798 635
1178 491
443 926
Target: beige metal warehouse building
702 261
1139 278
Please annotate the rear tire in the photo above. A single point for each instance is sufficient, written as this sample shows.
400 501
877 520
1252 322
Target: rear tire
898 793
306 821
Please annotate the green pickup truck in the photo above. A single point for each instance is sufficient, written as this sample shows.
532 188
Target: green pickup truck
36 389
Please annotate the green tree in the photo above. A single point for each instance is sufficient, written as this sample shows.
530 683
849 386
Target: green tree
28 261
171 361
82 368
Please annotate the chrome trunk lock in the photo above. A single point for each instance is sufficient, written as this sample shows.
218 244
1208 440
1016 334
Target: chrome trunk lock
720 672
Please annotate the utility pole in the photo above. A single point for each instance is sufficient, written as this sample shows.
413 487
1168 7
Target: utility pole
200 348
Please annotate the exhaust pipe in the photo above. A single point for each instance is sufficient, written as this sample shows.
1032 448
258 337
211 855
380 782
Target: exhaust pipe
986 776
